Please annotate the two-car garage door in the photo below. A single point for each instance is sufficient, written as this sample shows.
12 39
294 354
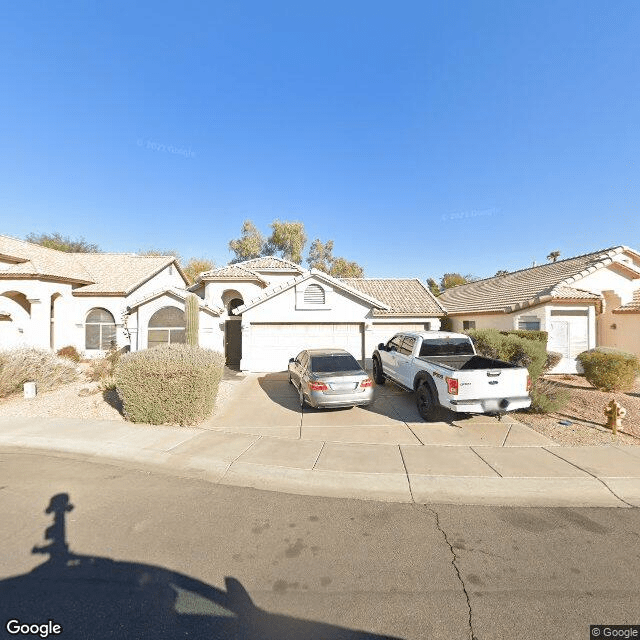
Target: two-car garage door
271 345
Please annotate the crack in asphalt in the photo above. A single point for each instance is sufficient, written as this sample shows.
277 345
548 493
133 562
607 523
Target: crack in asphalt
454 558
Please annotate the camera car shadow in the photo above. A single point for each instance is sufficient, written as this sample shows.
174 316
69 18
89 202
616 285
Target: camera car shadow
83 596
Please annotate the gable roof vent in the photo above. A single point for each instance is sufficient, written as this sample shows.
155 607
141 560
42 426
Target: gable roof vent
314 294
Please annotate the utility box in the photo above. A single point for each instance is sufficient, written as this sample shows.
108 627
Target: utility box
30 390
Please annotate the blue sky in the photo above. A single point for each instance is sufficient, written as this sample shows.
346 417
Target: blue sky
422 137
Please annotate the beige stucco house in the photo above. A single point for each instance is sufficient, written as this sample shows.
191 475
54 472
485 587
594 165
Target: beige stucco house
582 302
259 313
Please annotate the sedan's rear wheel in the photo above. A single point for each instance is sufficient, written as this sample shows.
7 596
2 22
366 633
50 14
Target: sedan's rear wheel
427 407
378 376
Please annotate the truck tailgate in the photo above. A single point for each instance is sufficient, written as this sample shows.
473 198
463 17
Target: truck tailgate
491 383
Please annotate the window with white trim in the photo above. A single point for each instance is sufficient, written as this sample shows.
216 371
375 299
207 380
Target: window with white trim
167 326
99 330
314 294
529 323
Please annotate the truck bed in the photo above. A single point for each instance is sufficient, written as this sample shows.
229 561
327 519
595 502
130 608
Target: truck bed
467 363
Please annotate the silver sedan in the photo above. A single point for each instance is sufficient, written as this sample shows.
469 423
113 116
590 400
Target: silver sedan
330 378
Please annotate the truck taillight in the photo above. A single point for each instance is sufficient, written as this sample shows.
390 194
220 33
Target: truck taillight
366 383
317 386
452 386
529 384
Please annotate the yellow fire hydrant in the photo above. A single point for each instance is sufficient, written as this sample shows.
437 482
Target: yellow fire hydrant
614 412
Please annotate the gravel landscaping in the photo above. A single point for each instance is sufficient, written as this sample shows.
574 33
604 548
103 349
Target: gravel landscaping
585 411
83 400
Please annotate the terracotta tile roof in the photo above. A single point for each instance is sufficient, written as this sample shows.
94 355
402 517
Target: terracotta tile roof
527 287
33 260
114 273
108 273
403 296
232 272
631 307
271 262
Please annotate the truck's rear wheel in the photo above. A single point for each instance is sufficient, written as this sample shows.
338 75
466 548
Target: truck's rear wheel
378 376
427 407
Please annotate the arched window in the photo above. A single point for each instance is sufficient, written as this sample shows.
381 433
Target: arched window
314 294
167 326
99 330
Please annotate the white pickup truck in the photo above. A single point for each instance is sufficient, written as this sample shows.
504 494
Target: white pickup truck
444 370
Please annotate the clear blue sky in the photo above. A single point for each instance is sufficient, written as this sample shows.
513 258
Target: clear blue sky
422 137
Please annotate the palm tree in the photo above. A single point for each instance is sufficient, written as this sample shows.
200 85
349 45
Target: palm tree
553 256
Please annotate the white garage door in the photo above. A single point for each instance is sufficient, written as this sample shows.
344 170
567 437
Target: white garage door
273 344
568 335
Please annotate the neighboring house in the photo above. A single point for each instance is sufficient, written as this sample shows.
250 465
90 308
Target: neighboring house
582 302
51 299
259 313
273 309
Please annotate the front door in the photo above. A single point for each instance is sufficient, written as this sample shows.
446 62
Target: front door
233 342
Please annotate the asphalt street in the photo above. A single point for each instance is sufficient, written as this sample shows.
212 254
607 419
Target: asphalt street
110 551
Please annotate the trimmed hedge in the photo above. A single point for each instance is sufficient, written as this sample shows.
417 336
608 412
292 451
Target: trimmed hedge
609 371
540 336
172 384
27 364
511 348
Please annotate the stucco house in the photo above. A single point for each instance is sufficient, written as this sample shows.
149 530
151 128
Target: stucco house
50 299
273 309
582 302
259 313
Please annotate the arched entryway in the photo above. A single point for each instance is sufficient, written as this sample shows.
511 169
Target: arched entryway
232 328
53 343
15 316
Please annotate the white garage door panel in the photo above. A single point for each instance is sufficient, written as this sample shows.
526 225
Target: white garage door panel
273 344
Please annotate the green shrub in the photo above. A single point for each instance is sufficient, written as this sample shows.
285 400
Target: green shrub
511 348
553 359
540 336
70 352
548 397
27 364
609 371
172 384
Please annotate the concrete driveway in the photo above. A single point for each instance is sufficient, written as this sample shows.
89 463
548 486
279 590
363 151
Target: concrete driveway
266 404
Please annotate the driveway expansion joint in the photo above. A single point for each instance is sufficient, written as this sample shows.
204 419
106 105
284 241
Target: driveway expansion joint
404 464
613 493
488 465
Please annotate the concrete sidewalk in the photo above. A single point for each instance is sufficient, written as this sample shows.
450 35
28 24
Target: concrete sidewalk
458 473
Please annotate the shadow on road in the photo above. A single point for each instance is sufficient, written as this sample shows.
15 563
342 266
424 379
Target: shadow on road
94 597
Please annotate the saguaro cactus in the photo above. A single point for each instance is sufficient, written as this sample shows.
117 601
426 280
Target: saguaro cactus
191 311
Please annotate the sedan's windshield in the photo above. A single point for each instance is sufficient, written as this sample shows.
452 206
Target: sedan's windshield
333 364
446 347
